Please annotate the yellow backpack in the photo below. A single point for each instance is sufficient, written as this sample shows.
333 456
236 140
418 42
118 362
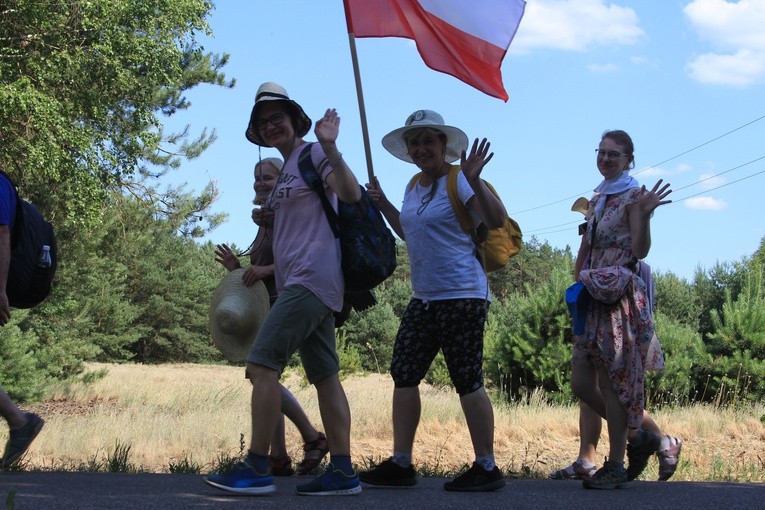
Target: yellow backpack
494 246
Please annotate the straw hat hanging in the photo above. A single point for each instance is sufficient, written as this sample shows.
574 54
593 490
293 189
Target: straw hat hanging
236 314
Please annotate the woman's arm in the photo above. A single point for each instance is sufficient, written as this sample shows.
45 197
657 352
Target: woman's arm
640 212
386 208
584 250
341 179
484 203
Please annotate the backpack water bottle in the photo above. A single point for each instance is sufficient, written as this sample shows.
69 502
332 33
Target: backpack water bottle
44 259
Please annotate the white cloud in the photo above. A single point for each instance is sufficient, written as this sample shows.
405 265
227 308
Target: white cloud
651 171
705 204
603 68
709 181
734 30
575 25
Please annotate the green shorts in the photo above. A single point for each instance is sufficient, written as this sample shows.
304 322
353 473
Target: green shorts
298 321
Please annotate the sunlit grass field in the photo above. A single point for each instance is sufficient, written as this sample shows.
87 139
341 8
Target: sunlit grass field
195 418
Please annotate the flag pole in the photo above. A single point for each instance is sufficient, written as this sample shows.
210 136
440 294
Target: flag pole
362 110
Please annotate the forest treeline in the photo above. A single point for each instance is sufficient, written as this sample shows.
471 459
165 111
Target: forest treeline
84 88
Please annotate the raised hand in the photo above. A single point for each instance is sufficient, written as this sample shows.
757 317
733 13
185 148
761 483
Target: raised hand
648 201
327 127
226 257
473 164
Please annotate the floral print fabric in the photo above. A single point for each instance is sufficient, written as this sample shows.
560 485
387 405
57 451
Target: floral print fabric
617 336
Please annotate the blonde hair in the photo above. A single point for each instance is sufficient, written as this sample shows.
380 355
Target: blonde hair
274 162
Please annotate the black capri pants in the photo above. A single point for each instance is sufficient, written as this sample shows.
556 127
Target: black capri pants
453 325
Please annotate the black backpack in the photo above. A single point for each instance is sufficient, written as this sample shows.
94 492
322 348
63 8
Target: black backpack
367 245
31 269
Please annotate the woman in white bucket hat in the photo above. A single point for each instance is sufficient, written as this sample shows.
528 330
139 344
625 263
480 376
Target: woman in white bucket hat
310 284
449 303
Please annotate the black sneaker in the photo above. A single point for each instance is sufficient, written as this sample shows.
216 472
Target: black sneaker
19 439
610 476
389 474
477 479
639 451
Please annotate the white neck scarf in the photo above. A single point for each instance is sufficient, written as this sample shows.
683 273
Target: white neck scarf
618 184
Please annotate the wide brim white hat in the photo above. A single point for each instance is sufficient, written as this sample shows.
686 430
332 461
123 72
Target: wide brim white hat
270 91
456 139
236 314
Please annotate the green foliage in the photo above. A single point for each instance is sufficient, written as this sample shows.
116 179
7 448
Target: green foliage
82 85
684 356
21 374
531 346
373 331
438 373
529 269
348 355
711 288
675 298
737 342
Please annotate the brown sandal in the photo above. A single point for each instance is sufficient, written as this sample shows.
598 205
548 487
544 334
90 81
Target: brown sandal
281 466
318 445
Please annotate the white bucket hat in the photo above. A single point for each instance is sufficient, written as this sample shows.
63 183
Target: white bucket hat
456 139
236 314
270 91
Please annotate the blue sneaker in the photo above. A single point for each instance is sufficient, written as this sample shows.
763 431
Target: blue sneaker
243 479
332 482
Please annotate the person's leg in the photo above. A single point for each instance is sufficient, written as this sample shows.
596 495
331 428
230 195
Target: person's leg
479 416
314 442
407 409
291 318
278 443
10 412
650 425
590 426
265 407
584 384
335 415
413 352
23 426
462 324
294 411
616 418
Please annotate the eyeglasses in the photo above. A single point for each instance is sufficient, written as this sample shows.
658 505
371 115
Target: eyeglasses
610 154
274 120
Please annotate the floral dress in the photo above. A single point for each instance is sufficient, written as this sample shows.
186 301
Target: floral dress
617 336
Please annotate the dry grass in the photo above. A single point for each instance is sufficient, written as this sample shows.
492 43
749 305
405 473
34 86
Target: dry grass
197 414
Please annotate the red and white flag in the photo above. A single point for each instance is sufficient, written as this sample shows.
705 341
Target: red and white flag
465 38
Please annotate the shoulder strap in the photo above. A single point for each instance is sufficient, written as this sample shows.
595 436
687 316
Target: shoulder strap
18 219
413 181
463 215
311 177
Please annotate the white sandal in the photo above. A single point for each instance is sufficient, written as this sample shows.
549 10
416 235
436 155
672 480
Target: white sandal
576 471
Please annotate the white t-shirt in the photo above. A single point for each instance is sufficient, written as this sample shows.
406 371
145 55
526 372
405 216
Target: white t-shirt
442 257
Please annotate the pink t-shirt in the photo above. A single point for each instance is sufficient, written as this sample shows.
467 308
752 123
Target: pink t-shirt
306 252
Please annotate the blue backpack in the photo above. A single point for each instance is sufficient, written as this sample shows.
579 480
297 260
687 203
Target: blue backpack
32 265
367 245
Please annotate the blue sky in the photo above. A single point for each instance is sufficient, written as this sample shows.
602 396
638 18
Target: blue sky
686 79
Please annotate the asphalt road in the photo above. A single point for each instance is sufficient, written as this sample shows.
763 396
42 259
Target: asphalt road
116 491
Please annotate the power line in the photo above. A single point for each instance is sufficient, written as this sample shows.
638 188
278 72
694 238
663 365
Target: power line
718 175
648 167
546 230
721 185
